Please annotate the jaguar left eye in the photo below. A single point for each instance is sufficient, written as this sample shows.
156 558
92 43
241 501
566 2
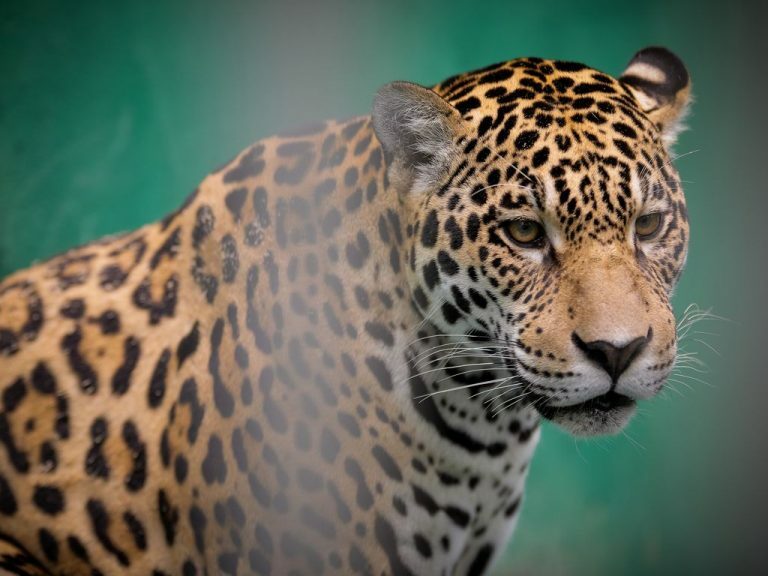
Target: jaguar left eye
648 225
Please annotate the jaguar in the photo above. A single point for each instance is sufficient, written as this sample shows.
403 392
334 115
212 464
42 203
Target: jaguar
336 356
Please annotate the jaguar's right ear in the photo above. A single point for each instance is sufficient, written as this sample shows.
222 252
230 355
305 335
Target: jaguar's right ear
417 130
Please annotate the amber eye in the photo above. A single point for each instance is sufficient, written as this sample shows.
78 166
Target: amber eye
524 232
648 225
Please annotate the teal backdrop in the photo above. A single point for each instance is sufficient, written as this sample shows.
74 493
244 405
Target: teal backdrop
111 113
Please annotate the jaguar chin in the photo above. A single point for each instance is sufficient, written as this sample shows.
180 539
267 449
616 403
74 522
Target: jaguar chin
608 413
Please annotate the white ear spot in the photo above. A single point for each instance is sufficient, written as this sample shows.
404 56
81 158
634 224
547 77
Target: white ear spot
646 71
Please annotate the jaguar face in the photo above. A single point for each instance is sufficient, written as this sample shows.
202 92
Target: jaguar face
547 217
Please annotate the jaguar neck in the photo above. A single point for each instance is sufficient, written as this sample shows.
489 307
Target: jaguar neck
466 390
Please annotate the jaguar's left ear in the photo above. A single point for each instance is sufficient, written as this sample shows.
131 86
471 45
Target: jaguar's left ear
660 82
417 130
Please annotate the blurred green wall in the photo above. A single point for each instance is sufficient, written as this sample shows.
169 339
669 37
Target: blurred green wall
110 113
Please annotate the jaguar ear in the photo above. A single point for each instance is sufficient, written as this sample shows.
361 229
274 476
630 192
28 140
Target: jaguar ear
417 130
660 82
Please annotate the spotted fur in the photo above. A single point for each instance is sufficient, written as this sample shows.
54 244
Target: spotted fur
334 358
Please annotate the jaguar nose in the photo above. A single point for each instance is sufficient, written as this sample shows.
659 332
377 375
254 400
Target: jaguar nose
611 358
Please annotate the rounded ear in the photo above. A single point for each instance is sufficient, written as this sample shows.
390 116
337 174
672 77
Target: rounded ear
660 82
417 129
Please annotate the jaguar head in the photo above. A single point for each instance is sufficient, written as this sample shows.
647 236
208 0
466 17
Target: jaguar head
545 214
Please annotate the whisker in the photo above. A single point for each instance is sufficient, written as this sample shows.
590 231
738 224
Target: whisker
632 440
443 368
681 383
703 343
423 397
443 347
452 376
509 403
515 168
694 378
498 387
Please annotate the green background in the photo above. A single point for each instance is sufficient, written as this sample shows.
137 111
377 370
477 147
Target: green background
111 113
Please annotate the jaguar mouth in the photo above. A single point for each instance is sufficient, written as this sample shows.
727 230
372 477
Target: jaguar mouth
604 414
603 403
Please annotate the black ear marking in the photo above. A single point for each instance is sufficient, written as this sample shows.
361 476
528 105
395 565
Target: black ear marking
660 82
657 71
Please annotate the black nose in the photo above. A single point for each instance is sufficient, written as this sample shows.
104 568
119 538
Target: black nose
613 359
